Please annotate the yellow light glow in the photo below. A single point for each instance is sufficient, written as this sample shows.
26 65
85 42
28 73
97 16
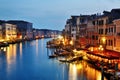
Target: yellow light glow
60 37
103 39
71 42
72 72
102 49
63 42
42 36
20 36
20 49
74 50
11 53
79 66
91 49
100 46
1 40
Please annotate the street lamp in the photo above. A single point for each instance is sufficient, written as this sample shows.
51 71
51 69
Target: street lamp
101 48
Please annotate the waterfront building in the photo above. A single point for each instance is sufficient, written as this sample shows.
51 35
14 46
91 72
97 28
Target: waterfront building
106 27
92 35
24 29
71 29
82 32
37 33
0 32
67 30
45 33
95 29
115 31
75 29
9 31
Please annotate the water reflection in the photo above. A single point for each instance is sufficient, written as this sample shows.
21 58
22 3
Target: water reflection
72 72
11 53
42 45
36 47
83 71
21 50
29 61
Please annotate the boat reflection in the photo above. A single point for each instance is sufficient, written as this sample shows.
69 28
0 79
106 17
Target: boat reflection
83 71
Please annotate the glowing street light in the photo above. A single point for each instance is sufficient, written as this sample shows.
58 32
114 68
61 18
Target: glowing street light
103 39
71 42
101 48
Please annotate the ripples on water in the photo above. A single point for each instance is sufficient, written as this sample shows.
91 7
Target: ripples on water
29 61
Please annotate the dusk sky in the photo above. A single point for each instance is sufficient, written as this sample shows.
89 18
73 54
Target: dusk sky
52 14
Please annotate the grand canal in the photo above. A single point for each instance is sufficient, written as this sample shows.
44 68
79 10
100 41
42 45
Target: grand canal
29 61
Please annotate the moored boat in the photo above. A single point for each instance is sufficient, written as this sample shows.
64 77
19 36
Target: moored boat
75 58
52 56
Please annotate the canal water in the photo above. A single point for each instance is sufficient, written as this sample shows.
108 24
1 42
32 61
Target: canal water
29 61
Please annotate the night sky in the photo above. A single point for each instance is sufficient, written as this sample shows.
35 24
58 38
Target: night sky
52 14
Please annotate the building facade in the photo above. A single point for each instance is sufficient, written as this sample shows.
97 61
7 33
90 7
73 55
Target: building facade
1 32
96 29
9 31
24 29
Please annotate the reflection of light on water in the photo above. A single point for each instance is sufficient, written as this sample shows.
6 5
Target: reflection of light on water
72 72
20 49
99 76
63 72
11 57
42 45
93 74
37 46
11 54
5 49
75 71
82 70
14 50
79 66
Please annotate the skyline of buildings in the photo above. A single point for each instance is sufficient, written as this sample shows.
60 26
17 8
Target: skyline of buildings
13 30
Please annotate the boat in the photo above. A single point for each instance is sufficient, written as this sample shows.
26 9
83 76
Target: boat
52 56
4 44
117 74
109 73
63 60
75 58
